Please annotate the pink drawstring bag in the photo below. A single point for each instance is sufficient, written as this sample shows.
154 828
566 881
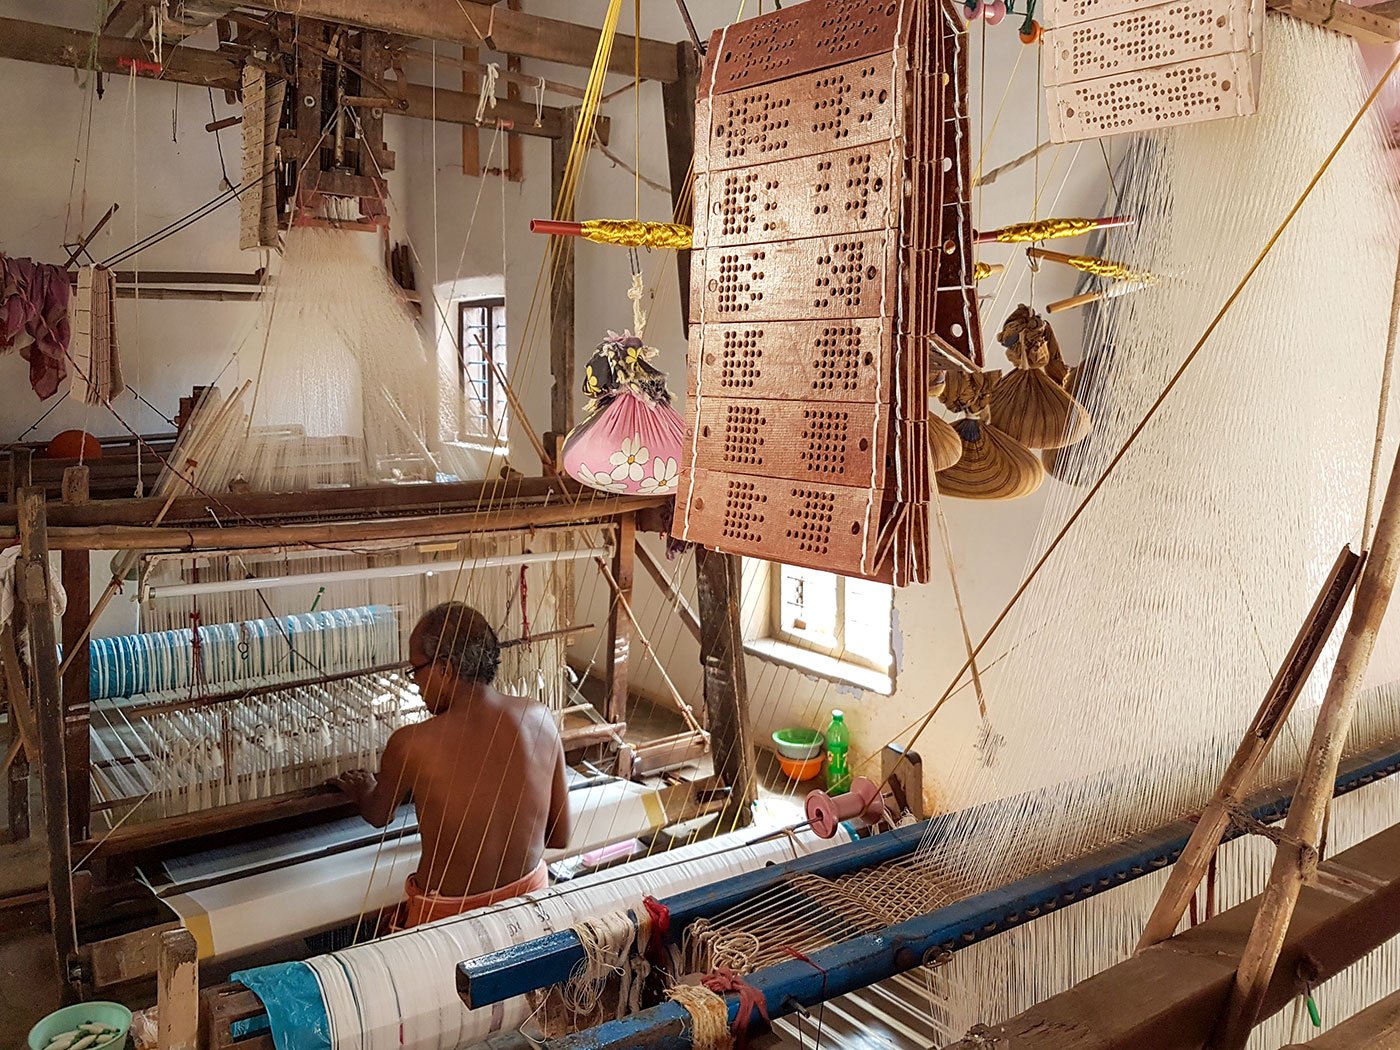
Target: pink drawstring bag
631 438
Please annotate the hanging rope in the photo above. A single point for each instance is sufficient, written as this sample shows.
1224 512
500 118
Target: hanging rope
488 92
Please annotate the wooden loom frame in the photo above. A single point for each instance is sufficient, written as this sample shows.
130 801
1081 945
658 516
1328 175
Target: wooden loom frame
76 526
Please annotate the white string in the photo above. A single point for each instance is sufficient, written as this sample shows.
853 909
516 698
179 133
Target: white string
487 98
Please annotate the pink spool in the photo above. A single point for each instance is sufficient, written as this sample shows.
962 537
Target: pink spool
826 812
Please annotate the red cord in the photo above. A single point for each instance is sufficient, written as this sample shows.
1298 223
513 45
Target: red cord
660 917
723 980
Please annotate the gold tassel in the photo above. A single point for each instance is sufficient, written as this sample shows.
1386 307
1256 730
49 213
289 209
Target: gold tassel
1093 265
634 234
1049 229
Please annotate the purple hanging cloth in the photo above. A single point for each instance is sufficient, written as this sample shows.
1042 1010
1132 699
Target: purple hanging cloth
34 319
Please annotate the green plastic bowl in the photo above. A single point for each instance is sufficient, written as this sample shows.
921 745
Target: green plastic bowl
799 744
114 1014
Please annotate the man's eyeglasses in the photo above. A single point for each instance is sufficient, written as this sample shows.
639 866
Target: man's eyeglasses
415 668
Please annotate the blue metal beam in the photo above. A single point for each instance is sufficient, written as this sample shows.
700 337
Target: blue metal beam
550 959
865 960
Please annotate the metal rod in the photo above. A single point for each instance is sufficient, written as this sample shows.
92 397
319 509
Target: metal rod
690 28
556 228
551 959
862 961
375 572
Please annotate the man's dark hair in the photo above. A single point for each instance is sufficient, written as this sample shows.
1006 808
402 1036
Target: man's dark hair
457 635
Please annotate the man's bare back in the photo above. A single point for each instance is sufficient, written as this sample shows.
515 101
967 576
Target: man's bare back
485 774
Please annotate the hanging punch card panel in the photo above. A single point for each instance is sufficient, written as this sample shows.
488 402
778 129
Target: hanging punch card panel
1117 66
832 268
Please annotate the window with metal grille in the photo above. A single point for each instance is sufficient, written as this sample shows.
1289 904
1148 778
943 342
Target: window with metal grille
481 367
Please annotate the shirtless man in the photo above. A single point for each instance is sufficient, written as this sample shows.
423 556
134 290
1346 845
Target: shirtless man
485 773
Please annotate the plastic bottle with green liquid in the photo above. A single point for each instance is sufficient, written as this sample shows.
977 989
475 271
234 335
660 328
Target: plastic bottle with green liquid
838 745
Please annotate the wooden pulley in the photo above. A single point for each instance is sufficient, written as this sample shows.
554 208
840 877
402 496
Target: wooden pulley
993 465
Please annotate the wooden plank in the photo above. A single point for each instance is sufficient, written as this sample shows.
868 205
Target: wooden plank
354 502
620 621
133 838
459 107
21 461
120 537
24 730
129 957
127 18
33 573
57 46
1375 1028
678 111
177 991
77 585
499 28
562 361
726 682
219 1007
673 594
1168 996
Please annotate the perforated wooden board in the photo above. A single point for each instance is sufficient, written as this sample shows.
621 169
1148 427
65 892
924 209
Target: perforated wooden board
839 276
833 261
827 442
858 104
815 361
1142 38
847 191
819 526
1182 93
1114 67
802 39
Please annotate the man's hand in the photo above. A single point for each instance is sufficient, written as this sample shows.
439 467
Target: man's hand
358 784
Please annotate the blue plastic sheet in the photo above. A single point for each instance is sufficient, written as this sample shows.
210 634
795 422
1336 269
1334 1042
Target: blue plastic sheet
296 1010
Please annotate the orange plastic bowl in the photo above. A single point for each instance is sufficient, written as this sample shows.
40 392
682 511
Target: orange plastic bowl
800 769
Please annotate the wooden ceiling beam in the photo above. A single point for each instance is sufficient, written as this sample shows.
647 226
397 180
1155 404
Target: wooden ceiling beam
57 46
126 19
499 28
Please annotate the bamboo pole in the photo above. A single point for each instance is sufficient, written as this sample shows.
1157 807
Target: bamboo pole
1239 776
1295 860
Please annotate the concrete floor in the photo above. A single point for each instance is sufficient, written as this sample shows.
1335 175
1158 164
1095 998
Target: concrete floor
29 981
